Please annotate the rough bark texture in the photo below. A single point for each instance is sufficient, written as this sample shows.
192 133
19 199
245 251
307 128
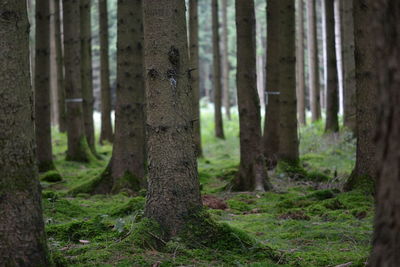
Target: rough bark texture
386 241
271 126
22 237
367 93
53 70
288 138
331 79
106 132
349 69
301 106
225 60
252 173
42 87
86 72
217 81
173 189
313 63
194 74
77 145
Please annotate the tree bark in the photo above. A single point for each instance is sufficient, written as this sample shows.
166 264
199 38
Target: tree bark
106 133
225 60
367 93
77 145
86 72
332 92
313 62
42 87
252 173
386 241
53 70
301 109
23 240
173 190
217 81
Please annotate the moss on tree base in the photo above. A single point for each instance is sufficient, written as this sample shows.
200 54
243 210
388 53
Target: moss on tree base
360 182
50 176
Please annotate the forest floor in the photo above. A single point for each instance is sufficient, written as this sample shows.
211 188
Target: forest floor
306 218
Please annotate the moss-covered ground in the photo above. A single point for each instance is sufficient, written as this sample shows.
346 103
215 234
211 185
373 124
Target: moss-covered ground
306 219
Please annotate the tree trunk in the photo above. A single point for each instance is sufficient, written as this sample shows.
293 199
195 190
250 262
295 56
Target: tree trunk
194 74
62 115
271 126
225 59
86 72
77 145
338 45
106 133
219 129
42 87
288 139
386 241
301 109
173 190
252 173
53 70
313 63
367 93
349 69
332 92
23 240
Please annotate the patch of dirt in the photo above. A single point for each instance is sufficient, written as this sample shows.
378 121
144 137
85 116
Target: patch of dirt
294 215
214 202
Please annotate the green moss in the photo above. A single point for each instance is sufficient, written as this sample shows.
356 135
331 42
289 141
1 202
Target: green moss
46 166
292 169
127 182
322 194
134 205
364 183
147 234
50 176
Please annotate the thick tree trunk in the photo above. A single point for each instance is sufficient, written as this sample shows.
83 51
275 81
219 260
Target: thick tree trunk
194 74
349 69
42 87
77 145
106 133
367 93
23 240
313 63
86 72
225 59
217 81
271 126
288 139
301 108
332 90
386 241
252 173
173 190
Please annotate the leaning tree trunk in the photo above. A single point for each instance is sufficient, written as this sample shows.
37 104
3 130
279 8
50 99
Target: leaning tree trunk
288 138
252 173
367 93
77 145
313 63
86 72
42 87
194 74
271 124
301 108
225 60
106 132
332 90
217 81
386 241
173 189
23 240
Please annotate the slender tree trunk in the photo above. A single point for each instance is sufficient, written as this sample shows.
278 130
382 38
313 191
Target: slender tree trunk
173 191
219 129
225 59
77 145
23 240
313 63
367 93
386 241
252 173
301 108
194 74
42 87
338 45
349 69
86 72
53 70
288 138
332 90
106 132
